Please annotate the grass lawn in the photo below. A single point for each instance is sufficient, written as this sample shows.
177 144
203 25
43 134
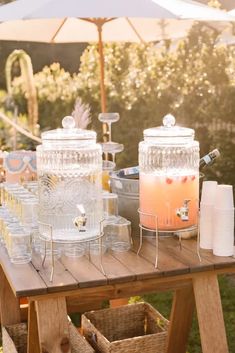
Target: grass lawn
162 301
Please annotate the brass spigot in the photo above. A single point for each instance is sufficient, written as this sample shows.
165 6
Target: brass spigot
183 212
80 221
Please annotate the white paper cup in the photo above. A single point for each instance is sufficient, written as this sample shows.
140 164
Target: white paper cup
208 192
224 197
223 232
206 226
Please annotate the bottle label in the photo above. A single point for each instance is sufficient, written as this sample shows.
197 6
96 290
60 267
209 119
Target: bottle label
207 159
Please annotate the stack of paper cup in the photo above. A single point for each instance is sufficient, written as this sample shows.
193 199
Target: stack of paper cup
206 214
223 221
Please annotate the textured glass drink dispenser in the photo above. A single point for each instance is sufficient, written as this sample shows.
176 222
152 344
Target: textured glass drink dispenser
169 177
69 167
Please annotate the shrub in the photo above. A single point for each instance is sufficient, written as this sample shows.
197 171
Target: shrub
196 83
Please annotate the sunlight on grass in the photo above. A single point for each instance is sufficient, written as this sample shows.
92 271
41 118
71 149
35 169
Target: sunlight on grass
162 302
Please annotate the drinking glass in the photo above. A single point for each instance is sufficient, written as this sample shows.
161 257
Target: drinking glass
95 247
110 206
4 214
45 250
120 232
109 118
29 211
107 168
36 242
8 220
19 246
74 250
112 148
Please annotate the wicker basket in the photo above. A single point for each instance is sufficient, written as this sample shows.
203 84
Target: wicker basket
135 328
14 339
78 342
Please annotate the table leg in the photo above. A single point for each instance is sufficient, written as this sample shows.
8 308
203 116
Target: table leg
115 303
9 304
33 339
210 314
180 320
53 327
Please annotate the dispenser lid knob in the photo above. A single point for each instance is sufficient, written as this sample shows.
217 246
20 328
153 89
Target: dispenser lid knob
68 122
168 120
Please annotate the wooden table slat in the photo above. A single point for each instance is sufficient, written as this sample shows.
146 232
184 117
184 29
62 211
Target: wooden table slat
23 279
29 280
84 271
126 275
190 258
62 279
166 263
217 261
141 267
115 271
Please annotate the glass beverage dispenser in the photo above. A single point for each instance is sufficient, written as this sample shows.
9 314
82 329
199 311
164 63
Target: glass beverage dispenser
169 177
69 167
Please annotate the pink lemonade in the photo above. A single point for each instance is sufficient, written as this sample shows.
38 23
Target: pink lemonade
162 196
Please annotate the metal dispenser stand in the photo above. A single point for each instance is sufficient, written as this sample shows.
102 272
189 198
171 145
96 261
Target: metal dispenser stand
156 231
52 243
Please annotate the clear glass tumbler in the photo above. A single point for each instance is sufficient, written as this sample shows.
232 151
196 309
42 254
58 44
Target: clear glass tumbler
19 246
110 206
120 233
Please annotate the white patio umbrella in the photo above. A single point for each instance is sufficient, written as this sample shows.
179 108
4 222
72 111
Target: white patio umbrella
74 30
70 21
183 9
232 12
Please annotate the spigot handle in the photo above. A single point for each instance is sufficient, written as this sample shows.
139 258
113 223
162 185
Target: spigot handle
81 209
183 212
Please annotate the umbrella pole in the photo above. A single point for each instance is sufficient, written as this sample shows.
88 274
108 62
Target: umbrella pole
102 86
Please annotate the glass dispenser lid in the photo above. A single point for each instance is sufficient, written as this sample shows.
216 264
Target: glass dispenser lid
169 130
68 132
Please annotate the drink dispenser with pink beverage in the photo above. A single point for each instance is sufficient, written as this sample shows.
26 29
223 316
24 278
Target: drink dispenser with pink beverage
169 178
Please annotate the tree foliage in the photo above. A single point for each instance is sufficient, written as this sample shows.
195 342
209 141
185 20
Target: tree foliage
195 82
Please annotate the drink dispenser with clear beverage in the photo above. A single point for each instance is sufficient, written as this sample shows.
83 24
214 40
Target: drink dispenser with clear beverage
169 177
69 167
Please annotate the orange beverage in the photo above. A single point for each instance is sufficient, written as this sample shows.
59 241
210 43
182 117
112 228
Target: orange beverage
162 196
107 168
106 180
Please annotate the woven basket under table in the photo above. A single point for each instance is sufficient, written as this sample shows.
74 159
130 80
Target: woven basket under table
134 328
14 339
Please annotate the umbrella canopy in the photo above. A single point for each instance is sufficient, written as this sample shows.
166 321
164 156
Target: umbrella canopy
69 30
62 22
180 9
232 12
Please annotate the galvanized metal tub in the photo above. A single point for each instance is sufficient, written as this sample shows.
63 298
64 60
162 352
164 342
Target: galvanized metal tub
128 198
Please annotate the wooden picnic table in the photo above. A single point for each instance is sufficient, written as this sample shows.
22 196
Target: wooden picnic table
79 282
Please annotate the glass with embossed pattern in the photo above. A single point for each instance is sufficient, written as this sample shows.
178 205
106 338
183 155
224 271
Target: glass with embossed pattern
169 177
69 167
